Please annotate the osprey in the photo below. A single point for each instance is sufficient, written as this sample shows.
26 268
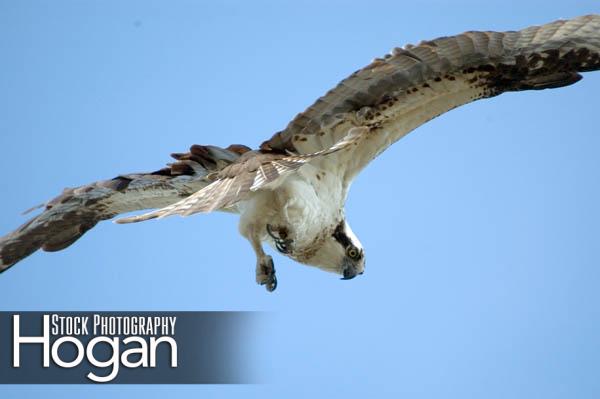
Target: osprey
290 192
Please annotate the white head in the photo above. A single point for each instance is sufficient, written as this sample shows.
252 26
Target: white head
341 252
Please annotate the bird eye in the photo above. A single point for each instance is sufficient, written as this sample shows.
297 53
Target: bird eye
352 252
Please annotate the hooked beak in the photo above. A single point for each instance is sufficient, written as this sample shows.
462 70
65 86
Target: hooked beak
349 271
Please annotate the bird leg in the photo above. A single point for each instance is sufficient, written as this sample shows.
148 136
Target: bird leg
265 273
265 269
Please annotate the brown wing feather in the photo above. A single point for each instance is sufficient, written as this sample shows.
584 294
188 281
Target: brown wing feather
67 217
414 84
389 97
253 171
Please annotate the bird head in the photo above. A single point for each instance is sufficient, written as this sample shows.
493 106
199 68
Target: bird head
341 252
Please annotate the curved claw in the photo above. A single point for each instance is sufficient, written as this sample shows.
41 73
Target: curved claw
271 285
270 233
281 243
265 274
281 246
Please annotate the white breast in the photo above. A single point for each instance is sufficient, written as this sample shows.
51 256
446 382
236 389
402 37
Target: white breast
306 202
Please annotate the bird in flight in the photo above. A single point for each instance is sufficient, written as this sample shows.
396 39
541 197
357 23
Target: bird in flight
291 191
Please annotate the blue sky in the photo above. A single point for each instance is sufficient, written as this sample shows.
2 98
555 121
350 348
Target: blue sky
481 228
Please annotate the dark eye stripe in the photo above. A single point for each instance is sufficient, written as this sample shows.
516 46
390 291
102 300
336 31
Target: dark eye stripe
340 235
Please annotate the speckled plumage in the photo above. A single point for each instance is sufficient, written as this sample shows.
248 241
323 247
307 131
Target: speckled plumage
296 183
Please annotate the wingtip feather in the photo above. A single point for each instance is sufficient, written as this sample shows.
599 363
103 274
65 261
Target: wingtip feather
3 267
137 218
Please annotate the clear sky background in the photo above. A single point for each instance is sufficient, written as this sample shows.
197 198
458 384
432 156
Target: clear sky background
481 228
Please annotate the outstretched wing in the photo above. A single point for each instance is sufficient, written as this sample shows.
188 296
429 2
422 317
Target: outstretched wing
385 100
251 172
412 85
67 217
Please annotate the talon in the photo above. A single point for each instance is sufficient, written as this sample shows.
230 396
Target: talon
281 241
282 246
270 232
265 274
272 284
